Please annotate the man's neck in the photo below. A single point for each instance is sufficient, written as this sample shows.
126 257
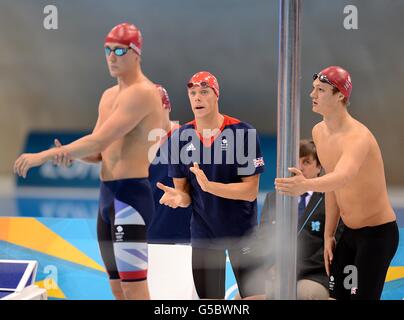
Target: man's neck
129 78
210 122
337 121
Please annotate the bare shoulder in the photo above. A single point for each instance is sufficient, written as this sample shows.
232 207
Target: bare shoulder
317 130
144 92
107 96
360 132
360 139
140 99
110 92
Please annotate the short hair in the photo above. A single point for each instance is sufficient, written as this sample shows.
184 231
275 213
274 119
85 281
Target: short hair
345 100
308 148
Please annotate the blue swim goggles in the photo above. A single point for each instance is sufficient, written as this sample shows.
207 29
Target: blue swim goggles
118 51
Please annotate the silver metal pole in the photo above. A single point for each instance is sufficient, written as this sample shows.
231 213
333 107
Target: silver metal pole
288 144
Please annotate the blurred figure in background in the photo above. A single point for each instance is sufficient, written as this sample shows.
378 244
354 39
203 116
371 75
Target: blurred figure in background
312 279
169 231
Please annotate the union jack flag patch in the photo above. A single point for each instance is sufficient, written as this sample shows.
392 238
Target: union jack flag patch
259 162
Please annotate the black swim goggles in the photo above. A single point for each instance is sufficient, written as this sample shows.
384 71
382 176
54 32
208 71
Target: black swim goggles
323 78
202 84
118 51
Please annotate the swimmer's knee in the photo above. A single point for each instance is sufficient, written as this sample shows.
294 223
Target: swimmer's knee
136 290
116 288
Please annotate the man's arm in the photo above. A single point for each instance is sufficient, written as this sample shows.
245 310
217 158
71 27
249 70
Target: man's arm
128 114
130 111
183 186
95 157
332 216
353 155
246 190
66 159
92 159
179 196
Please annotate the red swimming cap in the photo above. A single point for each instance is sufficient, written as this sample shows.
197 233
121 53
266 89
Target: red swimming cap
127 34
338 77
164 97
204 78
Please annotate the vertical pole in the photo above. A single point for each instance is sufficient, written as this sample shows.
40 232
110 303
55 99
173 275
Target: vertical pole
288 145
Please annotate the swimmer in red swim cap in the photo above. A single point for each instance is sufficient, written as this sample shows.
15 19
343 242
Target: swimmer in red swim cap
229 183
123 48
128 112
204 79
355 191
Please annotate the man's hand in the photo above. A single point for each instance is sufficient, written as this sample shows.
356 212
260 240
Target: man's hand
62 159
329 246
26 161
292 186
200 177
172 197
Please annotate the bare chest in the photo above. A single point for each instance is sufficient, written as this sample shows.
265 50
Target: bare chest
107 108
329 150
